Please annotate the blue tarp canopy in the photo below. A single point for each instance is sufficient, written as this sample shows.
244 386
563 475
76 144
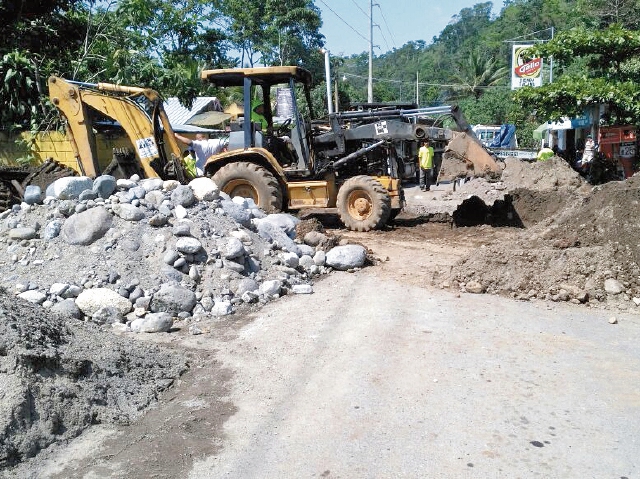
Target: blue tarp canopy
504 137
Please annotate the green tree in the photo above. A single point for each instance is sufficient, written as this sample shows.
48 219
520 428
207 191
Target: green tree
19 93
274 32
476 72
602 13
610 77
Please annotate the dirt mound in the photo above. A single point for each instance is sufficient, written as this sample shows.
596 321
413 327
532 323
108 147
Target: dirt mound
579 243
541 175
608 215
59 375
531 207
138 261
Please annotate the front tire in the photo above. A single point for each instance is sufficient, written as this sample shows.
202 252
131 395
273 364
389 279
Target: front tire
363 203
249 180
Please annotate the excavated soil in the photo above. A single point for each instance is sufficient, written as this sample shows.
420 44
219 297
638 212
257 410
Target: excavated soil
542 233
59 376
574 238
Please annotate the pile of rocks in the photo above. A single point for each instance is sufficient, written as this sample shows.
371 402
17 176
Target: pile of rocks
141 253
88 258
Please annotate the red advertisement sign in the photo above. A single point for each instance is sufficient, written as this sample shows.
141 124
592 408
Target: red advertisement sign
530 69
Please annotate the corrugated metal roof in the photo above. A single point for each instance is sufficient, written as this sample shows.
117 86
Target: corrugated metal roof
179 115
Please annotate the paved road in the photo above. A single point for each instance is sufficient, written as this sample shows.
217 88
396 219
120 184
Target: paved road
373 377
358 382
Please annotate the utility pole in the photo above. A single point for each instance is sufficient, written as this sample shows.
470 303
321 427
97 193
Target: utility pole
327 72
336 105
370 83
551 60
418 88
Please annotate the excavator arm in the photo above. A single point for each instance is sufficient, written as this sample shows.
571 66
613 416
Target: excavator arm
148 132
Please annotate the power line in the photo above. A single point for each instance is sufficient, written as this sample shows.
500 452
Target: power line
388 80
386 25
344 21
359 8
383 37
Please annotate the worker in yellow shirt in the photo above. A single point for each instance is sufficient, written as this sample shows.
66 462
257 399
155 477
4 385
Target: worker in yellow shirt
425 160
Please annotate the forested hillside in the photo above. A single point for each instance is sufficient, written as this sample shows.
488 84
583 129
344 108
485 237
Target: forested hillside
164 45
468 62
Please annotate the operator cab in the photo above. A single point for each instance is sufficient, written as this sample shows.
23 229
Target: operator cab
272 117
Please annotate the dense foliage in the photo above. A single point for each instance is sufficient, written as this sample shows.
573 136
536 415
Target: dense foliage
165 45
609 75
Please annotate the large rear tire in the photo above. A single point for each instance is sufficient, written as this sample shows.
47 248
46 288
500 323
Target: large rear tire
249 180
363 203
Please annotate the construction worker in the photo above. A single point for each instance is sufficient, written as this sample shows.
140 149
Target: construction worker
425 160
545 153
257 114
203 148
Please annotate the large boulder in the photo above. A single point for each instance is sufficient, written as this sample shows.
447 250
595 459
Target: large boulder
128 212
67 307
86 227
93 299
204 189
271 287
284 221
23 233
233 248
174 299
188 245
104 186
346 257
237 212
152 323
32 195
152 184
69 187
276 235
183 196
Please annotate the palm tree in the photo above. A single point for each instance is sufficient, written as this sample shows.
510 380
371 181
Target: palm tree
475 73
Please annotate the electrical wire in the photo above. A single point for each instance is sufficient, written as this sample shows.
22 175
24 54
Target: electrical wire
446 85
344 21
384 38
360 8
393 40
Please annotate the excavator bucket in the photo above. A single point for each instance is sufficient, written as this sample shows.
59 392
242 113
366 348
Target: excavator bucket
464 157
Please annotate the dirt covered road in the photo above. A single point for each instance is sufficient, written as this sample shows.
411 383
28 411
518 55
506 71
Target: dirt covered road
390 371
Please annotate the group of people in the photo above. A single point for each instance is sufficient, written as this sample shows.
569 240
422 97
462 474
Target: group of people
584 154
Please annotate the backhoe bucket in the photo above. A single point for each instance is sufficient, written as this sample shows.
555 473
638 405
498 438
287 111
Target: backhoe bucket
464 157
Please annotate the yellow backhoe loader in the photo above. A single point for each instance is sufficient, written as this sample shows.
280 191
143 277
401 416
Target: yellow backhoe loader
354 163
138 111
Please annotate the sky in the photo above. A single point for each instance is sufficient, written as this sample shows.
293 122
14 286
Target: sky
346 24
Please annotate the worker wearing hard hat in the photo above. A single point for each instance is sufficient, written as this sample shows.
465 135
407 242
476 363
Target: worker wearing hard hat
545 153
